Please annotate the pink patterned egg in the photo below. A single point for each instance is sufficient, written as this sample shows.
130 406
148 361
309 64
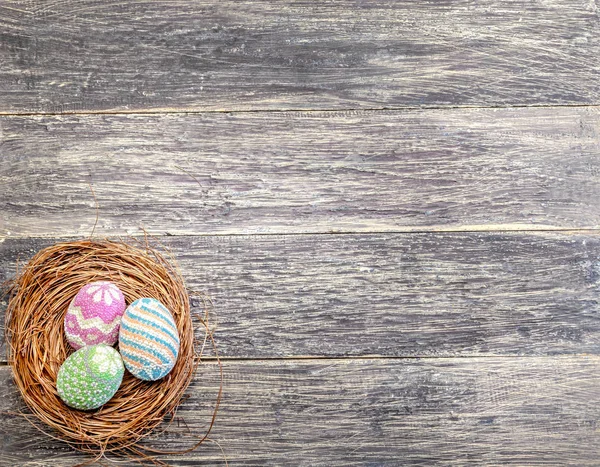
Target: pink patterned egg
94 315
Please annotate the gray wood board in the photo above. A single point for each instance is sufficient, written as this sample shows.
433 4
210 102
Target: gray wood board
428 294
488 411
80 56
454 169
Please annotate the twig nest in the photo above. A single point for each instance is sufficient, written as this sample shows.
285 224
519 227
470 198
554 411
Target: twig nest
90 377
94 315
148 339
39 301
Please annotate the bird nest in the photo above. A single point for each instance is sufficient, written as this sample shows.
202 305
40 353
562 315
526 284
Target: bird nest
39 298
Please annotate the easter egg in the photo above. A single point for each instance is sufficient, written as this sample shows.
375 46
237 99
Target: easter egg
90 377
148 339
94 315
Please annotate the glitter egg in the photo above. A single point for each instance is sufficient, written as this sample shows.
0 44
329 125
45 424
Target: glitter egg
148 339
94 315
90 377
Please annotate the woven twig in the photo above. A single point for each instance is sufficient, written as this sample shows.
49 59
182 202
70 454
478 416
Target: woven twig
39 298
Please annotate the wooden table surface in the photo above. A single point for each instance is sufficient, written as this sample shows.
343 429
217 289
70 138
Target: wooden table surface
394 205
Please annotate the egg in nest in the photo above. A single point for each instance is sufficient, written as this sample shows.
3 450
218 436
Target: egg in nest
90 377
94 315
148 339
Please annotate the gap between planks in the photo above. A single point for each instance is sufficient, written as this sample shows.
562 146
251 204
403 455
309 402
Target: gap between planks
309 358
181 111
417 230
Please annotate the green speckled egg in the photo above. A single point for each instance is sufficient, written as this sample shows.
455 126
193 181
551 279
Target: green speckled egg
90 377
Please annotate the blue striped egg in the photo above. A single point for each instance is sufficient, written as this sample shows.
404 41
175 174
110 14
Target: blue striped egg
148 339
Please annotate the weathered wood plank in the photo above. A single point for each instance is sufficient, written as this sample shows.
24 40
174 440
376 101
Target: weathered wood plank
390 295
91 56
301 172
489 411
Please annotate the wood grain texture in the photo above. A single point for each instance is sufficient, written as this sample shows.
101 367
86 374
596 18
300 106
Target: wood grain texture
456 169
80 56
527 411
452 294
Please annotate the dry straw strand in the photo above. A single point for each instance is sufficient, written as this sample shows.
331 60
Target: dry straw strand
39 298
